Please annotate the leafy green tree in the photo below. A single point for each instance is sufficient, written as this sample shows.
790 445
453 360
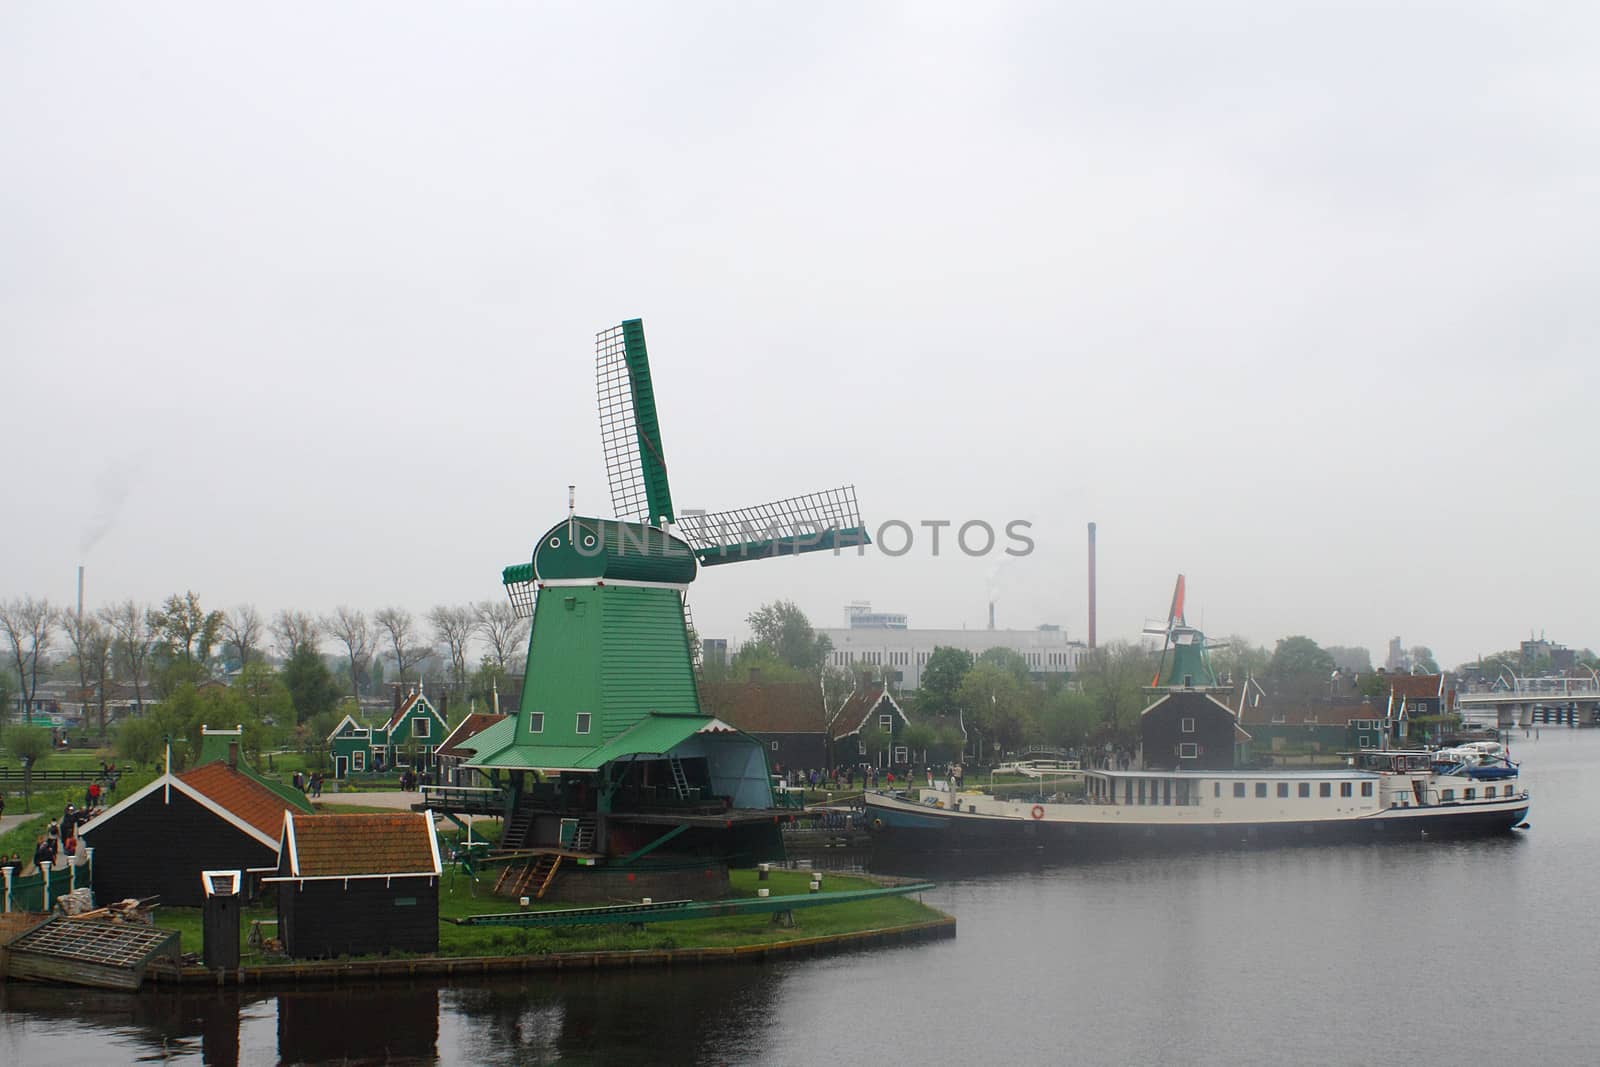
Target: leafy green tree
1114 677
31 746
186 633
1351 659
139 740
941 678
1009 660
311 687
766 665
784 632
269 699
995 703
1239 658
1300 669
1066 719
1422 656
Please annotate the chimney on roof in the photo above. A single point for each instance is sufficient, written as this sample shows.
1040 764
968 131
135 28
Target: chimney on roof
233 755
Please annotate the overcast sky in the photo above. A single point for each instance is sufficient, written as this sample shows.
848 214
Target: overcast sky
298 304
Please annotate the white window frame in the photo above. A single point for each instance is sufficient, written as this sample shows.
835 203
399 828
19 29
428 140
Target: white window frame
585 722
1188 750
358 760
1186 724
420 727
536 722
886 723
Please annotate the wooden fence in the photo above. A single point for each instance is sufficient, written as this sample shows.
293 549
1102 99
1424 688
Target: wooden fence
37 891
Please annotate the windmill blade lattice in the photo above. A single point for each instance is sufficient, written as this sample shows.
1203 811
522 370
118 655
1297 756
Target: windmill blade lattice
630 433
809 523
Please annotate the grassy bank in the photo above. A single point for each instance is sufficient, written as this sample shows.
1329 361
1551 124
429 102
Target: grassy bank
460 896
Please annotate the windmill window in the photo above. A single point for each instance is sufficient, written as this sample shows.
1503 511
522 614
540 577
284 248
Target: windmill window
1188 726
536 722
583 722
1188 750
774 746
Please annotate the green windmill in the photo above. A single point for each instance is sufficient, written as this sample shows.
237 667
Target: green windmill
609 705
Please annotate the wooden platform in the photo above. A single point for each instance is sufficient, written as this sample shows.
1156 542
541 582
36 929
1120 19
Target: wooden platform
89 952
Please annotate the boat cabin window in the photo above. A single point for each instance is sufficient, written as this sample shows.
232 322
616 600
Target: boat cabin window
1305 789
1216 789
1261 790
1141 790
1448 794
1346 789
1283 790
1324 789
1488 794
1166 791
1471 794
1238 789
1366 789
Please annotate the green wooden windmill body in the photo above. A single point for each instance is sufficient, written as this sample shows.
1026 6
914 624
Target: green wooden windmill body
610 671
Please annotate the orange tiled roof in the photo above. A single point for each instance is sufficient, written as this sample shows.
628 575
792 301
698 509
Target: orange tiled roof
1415 686
767 707
459 741
238 793
363 843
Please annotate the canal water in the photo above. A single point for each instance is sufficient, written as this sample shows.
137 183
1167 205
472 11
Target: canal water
1432 952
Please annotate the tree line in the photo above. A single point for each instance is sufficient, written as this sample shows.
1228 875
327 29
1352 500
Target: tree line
287 673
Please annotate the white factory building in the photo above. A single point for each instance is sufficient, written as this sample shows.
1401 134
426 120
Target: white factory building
875 639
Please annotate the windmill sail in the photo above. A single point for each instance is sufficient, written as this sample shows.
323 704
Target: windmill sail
825 521
630 432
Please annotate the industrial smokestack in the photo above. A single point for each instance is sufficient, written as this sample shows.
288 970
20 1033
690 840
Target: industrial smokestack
1091 585
991 614
80 592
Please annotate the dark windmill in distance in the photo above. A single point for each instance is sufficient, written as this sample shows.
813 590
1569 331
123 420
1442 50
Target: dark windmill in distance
1188 724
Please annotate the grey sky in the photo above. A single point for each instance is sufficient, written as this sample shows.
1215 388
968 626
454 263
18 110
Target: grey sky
297 305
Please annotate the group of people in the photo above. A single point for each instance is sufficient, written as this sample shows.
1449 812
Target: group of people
310 784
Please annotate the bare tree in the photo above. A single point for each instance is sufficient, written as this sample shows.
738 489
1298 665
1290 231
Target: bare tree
293 631
80 630
400 629
29 625
241 631
351 629
135 637
454 627
505 633
97 652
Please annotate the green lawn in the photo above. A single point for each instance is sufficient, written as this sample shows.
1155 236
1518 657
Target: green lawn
460 896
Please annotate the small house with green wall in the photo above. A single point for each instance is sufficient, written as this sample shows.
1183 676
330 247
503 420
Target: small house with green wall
870 728
415 730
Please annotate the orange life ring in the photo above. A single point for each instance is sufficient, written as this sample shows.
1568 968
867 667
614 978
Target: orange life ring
1038 811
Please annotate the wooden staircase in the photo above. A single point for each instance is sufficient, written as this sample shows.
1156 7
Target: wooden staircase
517 879
515 835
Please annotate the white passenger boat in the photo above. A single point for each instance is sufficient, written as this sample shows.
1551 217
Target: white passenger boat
1378 794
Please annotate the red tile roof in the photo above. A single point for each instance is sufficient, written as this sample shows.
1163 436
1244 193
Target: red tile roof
767 707
1416 686
363 843
459 742
246 798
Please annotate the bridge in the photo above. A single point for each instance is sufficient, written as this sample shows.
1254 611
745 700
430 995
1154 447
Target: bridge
1551 700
